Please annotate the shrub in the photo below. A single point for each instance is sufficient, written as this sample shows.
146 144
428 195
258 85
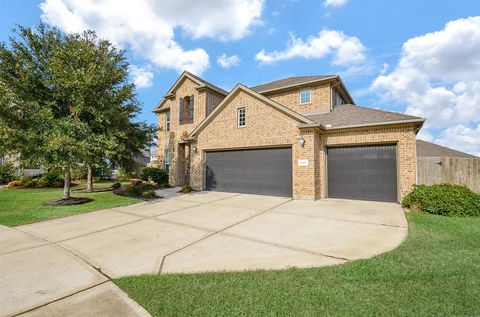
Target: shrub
149 194
15 184
116 185
123 175
138 190
52 178
186 189
443 199
136 181
30 182
155 174
7 173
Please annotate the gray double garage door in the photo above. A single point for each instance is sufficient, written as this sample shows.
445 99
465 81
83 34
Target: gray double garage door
259 171
363 172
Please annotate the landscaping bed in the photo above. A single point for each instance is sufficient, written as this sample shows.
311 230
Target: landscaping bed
68 201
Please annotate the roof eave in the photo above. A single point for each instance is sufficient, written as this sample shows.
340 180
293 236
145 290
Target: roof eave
420 121
344 88
296 85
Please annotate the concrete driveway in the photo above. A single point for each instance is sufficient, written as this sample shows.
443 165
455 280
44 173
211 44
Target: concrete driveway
65 266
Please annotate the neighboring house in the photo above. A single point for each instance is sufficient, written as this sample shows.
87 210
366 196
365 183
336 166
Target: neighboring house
437 164
153 158
20 171
302 137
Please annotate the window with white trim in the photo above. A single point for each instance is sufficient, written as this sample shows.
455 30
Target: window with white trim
241 120
167 121
305 96
166 160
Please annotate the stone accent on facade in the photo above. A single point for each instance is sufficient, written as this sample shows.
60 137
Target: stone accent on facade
321 98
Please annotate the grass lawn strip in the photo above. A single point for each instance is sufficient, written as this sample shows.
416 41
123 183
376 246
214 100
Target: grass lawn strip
23 206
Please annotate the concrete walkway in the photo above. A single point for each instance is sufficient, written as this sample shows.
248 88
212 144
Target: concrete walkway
63 267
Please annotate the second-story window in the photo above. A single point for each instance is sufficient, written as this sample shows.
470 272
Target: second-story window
186 110
305 96
241 119
167 121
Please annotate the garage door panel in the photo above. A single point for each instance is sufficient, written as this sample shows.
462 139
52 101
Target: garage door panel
259 171
363 172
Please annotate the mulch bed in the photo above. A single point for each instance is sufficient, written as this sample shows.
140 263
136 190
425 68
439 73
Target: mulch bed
123 192
68 201
99 190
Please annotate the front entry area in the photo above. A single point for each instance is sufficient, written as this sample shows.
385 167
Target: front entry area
266 171
363 172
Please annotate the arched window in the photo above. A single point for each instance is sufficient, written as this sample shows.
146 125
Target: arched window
186 110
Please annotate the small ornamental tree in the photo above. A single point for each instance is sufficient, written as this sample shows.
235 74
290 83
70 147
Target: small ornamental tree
69 100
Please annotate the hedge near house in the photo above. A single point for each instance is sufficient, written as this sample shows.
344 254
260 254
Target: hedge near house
443 199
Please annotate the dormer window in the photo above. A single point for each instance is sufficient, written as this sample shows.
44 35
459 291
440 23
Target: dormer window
186 110
305 96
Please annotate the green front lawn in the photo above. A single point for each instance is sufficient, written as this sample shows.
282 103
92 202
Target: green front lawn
436 272
22 206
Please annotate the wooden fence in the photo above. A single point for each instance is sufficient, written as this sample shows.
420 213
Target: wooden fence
453 170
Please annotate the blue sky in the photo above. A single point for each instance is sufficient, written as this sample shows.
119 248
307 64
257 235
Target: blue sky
418 57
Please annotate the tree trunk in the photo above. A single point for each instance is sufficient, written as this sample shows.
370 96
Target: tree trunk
66 185
89 178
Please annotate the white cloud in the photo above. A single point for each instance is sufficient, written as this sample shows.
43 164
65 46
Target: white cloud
148 27
228 61
437 78
334 3
384 69
346 50
142 76
462 137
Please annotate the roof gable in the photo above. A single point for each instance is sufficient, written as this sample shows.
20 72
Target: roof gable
299 81
287 111
289 82
197 80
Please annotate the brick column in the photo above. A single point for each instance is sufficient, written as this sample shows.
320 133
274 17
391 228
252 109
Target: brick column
306 166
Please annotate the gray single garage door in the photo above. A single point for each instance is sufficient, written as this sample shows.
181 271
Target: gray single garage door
259 171
363 172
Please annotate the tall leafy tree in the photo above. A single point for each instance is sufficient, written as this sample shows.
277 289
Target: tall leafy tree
85 107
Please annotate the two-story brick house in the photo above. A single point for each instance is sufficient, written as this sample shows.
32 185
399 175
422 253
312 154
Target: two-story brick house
301 136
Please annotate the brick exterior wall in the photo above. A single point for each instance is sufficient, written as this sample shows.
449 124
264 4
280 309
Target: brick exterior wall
277 131
268 127
321 98
402 135
169 140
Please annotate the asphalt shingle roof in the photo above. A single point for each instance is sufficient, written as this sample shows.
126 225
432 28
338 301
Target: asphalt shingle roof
351 115
425 148
286 82
206 83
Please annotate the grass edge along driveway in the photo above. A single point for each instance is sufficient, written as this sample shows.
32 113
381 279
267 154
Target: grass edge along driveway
22 206
436 272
